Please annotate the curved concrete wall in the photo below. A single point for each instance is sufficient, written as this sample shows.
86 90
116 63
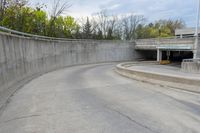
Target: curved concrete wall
22 58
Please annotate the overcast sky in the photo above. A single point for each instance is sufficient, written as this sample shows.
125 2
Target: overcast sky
151 9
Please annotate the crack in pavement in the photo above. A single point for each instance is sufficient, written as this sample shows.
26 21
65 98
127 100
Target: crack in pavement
21 117
132 120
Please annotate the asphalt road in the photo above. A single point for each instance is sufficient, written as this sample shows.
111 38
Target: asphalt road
95 99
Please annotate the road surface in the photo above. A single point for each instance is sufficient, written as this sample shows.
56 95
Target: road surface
95 99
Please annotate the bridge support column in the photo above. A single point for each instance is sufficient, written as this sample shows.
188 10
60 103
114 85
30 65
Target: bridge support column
168 55
198 51
159 55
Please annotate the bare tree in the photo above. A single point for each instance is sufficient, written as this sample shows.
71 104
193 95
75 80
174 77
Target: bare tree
101 19
3 4
58 9
2 7
106 24
112 26
175 24
130 23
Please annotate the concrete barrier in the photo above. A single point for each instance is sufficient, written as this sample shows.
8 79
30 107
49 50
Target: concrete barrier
192 67
24 58
178 82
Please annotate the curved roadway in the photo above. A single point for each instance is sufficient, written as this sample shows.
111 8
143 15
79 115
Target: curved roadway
94 99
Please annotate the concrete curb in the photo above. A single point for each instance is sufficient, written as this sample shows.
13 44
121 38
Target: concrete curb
177 82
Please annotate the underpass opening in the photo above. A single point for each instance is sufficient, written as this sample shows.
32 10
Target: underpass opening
175 58
148 55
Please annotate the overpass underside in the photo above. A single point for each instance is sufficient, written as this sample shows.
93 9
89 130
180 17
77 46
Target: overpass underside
175 54
165 49
172 55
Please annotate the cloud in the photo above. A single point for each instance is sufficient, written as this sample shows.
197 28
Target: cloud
114 7
151 9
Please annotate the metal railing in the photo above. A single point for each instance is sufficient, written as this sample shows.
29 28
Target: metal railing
171 40
29 35
14 32
192 60
171 37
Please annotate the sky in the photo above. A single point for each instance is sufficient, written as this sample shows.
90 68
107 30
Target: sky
151 9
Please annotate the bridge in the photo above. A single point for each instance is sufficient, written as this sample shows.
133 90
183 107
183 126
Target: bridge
166 44
59 85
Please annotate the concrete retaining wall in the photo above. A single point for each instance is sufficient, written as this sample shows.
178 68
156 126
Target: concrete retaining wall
22 59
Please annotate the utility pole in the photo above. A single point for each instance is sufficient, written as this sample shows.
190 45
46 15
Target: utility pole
197 32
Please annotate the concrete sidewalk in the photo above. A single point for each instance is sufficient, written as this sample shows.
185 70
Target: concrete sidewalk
165 70
164 75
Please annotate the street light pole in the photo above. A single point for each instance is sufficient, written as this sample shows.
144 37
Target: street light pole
197 32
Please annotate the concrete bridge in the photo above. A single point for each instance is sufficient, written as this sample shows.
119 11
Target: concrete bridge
166 44
52 85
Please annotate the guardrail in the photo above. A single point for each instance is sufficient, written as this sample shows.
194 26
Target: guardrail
166 38
164 41
171 37
192 60
30 35
4 29
14 32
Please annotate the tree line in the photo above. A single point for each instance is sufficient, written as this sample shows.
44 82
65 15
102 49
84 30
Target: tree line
17 15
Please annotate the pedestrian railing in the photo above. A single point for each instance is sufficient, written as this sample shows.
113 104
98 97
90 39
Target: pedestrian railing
149 41
192 60
166 41
14 32
28 35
